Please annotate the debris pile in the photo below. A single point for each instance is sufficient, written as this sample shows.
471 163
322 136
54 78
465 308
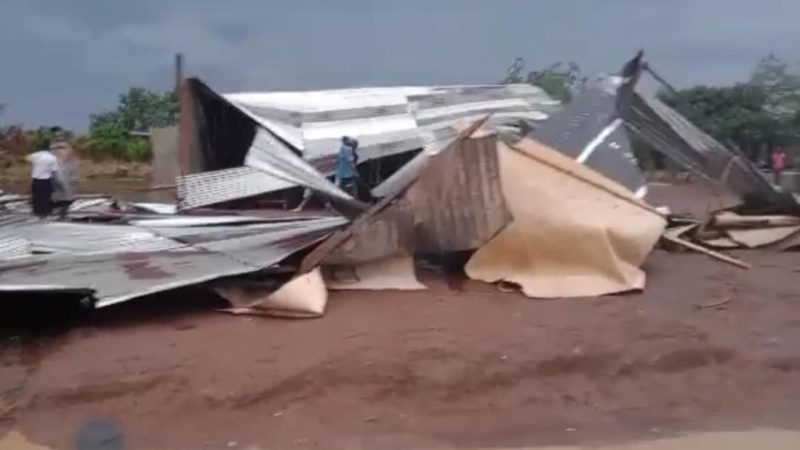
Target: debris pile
546 198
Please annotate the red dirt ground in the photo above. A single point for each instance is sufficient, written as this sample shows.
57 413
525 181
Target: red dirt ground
443 368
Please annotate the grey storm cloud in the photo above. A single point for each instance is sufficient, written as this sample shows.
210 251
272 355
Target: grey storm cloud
63 60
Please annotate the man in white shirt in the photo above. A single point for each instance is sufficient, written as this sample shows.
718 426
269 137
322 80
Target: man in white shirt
43 167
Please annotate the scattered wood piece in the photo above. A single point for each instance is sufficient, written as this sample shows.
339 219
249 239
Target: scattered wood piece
714 305
706 251
760 237
731 220
677 232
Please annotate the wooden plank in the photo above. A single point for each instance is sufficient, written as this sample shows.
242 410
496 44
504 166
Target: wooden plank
706 251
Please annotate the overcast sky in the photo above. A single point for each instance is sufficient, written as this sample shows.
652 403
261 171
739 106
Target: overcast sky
64 59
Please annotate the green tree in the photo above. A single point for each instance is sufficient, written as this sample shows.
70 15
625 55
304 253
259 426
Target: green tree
781 84
558 80
138 110
736 115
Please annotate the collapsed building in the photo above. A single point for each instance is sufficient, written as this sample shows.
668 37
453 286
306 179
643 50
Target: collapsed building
547 197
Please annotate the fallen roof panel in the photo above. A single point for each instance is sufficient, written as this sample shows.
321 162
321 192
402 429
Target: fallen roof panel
117 277
87 238
591 131
309 120
14 247
217 186
668 132
197 253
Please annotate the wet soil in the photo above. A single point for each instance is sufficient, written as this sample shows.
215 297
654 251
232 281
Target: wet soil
437 369
459 365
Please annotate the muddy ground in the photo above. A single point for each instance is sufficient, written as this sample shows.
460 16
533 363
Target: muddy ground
459 365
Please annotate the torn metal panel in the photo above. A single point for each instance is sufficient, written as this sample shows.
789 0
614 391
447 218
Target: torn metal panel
123 275
87 238
405 175
127 274
457 201
265 247
14 219
166 209
196 221
591 131
14 247
380 118
209 188
386 121
269 155
208 233
391 231
91 204
668 132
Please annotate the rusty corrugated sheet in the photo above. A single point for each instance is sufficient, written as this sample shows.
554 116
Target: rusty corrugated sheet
457 201
197 254
390 232
671 134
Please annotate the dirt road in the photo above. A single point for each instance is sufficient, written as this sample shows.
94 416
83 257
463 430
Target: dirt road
437 369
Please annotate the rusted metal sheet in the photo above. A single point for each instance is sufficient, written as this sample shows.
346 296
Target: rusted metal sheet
457 201
671 134
115 273
390 232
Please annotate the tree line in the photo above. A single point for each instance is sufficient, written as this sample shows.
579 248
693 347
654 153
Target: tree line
119 133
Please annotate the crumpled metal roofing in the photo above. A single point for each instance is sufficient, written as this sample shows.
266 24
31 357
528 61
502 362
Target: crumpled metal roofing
272 157
269 166
314 121
591 130
14 247
216 186
87 238
386 121
668 132
193 251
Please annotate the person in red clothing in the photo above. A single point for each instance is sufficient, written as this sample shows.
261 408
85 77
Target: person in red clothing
778 164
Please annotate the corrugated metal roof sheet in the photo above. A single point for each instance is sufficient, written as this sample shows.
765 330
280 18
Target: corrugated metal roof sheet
14 247
590 129
87 238
274 158
313 121
216 186
117 277
673 135
125 272
386 121
457 201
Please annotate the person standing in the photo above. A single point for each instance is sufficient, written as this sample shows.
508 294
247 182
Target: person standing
66 176
778 164
43 168
346 160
